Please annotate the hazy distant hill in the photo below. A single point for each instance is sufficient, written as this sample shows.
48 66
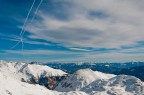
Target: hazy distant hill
128 68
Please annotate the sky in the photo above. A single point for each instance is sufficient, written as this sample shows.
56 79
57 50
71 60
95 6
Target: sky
72 30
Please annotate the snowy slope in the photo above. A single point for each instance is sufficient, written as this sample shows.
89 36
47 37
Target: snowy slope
31 73
101 75
11 74
35 70
119 85
31 69
97 83
82 82
11 86
80 79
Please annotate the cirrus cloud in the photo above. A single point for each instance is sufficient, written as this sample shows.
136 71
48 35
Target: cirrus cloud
122 25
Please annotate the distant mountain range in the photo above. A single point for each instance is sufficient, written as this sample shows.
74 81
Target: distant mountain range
129 68
137 71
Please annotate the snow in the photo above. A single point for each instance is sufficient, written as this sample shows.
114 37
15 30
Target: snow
82 82
26 71
37 69
11 86
98 83
80 79
101 75
32 73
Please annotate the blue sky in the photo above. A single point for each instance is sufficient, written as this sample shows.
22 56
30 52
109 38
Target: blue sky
73 30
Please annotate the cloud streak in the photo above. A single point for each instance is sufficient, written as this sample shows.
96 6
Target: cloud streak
122 26
86 30
69 56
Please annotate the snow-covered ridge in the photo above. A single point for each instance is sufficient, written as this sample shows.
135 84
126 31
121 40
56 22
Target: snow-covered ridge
11 86
34 69
32 73
80 79
97 83
82 82
128 85
12 72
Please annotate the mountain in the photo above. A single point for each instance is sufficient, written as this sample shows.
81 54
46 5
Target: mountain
33 79
137 71
16 79
11 86
128 68
80 79
102 67
33 73
97 83
118 85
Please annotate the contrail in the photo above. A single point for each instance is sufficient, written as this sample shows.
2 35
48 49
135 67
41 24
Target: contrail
24 25
15 45
37 10
35 13
21 40
30 23
27 17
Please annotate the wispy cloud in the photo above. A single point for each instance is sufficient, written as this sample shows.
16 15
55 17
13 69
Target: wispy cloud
69 56
79 49
123 24
89 30
15 38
